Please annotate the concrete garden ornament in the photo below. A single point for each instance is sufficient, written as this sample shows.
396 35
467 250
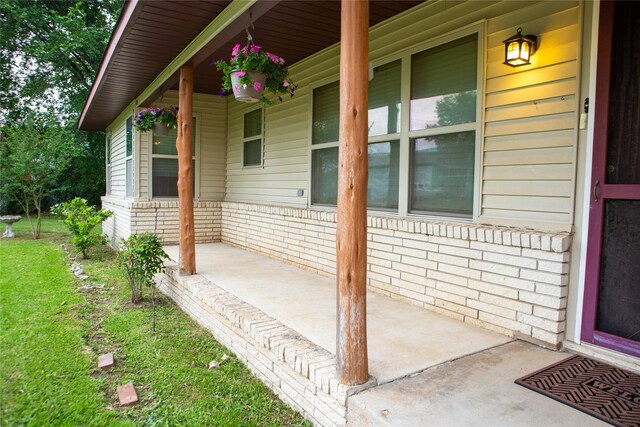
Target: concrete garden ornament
8 220
160 119
252 71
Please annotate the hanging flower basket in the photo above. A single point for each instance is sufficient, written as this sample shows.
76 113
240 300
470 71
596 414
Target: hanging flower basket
166 117
252 73
161 129
251 92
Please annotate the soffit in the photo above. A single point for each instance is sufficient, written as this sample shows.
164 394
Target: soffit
155 32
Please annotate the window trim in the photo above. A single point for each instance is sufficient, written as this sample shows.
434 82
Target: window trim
108 161
260 136
405 135
195 157
128 129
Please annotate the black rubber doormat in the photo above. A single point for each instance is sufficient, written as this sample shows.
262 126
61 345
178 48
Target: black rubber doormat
593 387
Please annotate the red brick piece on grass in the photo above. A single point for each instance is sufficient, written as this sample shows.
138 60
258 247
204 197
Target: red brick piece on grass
105 362
127 394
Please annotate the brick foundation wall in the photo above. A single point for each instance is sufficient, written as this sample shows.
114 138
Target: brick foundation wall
508 280
299 372
161 218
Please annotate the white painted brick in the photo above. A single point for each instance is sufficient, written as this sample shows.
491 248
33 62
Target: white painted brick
553 267
549 314
419 280
448 259
446 277
520 306
490 247
417 296
547 336
420 244
545 242
436 293
459 271
489 288
449 242
501 269
560 243
544 300
416 253
418 262
556 291
510 282
458 290
460 252
395 241
386 271
492 309
542 276
509 260
404 284
456 308
547 325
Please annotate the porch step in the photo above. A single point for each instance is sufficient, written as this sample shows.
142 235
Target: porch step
302 373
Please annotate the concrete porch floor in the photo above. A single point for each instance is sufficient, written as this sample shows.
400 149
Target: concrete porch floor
431 370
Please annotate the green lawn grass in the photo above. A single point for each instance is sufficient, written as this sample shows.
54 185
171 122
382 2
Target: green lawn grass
53 330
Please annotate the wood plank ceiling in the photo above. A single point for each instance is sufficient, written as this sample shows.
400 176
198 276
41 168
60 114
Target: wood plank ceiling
159 30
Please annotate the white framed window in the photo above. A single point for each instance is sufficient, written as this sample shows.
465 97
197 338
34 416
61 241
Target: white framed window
129 157
108 163
424 111
164 162
384 136
442 128
252 138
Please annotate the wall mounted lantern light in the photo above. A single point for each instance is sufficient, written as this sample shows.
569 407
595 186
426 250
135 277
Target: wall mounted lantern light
518 49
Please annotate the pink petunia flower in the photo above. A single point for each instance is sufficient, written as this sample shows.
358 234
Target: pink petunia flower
255 48
235 50
240 74
285 83
256 86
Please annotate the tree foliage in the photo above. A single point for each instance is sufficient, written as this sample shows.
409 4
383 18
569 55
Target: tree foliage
33 156
50 51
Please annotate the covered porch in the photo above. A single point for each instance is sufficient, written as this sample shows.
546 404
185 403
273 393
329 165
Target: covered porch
281 321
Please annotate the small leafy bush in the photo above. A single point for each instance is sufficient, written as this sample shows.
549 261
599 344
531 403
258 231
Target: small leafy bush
81 219
141 256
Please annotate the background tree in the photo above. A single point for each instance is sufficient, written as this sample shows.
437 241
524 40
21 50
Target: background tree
50 51
33 157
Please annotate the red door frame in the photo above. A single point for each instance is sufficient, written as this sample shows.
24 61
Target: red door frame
600 191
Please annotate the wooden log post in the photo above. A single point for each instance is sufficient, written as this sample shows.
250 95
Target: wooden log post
187 258
351 230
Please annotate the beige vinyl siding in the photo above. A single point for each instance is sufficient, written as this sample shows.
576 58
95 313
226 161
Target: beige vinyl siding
530 120
118 173
285 154
529 112
211 111
118 226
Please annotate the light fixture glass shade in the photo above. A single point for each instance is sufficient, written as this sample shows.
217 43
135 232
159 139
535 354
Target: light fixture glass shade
519 48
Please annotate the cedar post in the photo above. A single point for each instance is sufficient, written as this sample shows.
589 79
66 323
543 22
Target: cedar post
185 172
351 229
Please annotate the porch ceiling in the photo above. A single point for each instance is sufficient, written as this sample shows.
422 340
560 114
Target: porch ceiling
150 34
